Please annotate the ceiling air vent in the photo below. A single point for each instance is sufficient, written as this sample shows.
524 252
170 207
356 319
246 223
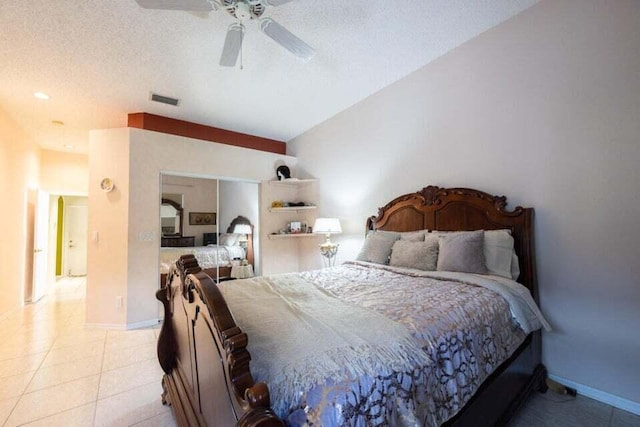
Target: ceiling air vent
165 99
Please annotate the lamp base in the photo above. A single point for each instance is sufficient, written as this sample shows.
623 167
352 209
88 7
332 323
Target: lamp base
329 251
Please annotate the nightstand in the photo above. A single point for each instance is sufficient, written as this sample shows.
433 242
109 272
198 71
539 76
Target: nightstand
241 271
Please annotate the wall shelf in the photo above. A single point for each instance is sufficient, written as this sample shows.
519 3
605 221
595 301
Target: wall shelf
293 236
292 182
292 209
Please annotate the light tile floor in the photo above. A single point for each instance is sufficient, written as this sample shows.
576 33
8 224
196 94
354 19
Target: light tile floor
55 372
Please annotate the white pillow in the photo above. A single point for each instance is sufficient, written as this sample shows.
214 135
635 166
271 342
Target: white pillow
515 266
498 252
228 239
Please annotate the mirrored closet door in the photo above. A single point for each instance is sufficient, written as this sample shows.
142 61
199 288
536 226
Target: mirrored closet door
214 219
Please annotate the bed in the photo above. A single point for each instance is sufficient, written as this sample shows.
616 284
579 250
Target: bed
214 259
418 368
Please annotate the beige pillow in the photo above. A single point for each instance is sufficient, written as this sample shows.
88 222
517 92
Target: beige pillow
415 254
414 236
462 252
377 248
498 251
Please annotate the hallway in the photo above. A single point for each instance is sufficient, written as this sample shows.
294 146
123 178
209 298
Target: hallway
54 372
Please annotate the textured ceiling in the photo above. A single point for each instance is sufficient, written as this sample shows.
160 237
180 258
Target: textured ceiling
100 59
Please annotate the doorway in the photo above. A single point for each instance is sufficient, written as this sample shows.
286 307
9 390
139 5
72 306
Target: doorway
75 240
69 220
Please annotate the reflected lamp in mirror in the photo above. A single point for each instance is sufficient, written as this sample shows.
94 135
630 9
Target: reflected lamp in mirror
244 230
328 250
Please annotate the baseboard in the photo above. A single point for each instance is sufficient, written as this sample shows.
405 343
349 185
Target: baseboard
600 396
125 327
145 324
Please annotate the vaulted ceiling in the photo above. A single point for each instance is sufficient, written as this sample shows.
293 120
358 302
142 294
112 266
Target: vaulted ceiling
98 60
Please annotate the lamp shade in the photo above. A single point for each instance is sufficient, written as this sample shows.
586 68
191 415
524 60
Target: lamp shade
242 229
327 226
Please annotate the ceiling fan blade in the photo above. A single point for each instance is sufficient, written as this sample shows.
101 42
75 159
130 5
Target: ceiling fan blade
276 2
284 38
232 45
190 5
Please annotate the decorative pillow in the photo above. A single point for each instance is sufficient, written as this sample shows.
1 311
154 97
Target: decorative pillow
498 251
377 248
413 236
462 252
392 235
228 239
420 255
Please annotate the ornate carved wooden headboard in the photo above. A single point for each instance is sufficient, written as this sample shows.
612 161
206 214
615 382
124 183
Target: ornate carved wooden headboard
462 209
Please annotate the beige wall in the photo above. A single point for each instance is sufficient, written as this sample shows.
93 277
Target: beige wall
19 158
64 173
545 109
107 256
136 158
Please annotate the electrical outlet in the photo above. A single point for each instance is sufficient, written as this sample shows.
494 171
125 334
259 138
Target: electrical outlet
118 301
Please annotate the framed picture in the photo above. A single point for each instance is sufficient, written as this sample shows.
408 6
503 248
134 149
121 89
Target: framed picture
202 218
296 227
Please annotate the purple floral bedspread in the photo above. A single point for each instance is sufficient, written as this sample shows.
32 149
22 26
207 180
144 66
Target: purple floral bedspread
466 330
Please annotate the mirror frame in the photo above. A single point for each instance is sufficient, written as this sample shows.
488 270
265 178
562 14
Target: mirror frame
178 208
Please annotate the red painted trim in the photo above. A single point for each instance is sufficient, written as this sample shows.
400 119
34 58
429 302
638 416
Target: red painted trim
207 133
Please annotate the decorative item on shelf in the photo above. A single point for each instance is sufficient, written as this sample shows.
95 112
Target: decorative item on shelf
107 185
202 218
244 230
283 172
328 250
295 227
277 204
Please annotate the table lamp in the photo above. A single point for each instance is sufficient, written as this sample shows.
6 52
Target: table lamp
328 249
243 230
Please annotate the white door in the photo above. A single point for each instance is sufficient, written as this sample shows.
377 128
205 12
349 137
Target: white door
40 245
76 225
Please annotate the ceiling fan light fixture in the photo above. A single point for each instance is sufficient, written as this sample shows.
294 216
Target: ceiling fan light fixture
243 11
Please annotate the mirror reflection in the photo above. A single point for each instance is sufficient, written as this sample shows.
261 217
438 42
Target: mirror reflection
171 215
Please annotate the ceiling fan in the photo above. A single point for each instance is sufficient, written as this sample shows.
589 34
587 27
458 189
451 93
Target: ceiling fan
243 11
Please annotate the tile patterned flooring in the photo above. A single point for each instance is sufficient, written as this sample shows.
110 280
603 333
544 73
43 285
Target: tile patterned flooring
55 372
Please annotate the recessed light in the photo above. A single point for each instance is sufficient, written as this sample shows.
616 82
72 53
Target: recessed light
41 95
57 123
69 146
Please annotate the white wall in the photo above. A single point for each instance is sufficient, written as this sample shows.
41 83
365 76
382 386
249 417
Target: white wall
136 158
545 109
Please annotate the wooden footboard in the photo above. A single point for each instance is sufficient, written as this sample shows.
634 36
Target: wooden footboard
204 356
